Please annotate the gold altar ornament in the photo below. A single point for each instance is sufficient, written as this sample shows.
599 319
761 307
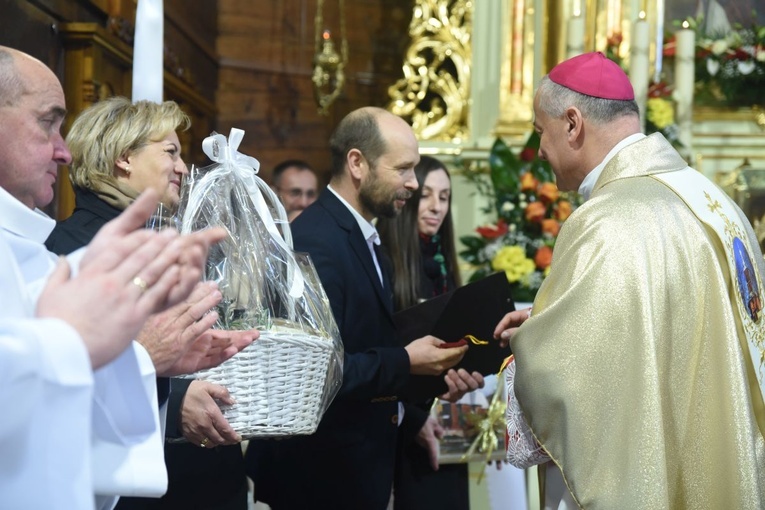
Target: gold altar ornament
434 93
329 66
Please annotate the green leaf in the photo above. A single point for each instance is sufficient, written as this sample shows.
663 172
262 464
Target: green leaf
479 274
472 242
505 168
533 141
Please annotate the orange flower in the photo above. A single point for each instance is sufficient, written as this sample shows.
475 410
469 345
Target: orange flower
543 257
535 212
548 192
528 182
550 226
563 210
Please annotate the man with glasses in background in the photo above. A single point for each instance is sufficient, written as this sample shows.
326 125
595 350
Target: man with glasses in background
294 181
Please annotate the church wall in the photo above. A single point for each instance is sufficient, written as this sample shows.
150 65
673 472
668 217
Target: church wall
266 53
252 60
33 26
42 28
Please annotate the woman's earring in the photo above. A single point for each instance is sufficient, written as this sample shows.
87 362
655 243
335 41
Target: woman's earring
127 169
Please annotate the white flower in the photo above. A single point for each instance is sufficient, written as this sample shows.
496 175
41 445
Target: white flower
712 66
522 196
523 205
760 56
507 206
719 47
746 67
491 249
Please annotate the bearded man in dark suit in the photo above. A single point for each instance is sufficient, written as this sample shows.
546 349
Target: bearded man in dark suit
348 463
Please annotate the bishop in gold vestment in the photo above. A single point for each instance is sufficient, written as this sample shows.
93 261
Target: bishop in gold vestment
640 369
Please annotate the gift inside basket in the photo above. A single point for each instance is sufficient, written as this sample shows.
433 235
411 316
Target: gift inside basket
283 382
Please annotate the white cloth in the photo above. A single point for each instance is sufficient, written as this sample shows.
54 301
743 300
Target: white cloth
523 451
59 414
585 189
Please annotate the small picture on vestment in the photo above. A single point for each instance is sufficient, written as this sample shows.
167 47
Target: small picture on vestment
747 280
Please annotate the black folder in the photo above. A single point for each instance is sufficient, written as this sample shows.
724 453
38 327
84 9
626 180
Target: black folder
473 309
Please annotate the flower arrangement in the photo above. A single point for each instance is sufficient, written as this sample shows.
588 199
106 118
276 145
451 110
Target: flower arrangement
529 209
660 113
614 48
730 68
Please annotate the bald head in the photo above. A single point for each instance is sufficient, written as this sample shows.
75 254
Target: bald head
32 107
362 129
11 85
373 157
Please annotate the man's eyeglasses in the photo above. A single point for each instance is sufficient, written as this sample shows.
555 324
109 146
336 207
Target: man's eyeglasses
297 193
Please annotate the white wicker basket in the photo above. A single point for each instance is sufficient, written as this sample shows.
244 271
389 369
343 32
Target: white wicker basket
278 384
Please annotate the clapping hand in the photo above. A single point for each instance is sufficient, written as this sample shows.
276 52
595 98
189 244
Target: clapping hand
180 340
125 275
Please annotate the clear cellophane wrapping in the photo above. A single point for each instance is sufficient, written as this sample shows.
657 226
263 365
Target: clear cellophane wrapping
283 382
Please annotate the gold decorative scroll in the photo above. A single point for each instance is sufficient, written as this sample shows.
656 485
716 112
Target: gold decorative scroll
434 93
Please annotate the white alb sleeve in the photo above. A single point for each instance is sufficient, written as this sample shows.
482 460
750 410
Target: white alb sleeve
523 451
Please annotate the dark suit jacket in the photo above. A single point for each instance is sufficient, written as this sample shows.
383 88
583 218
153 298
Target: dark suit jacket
348 463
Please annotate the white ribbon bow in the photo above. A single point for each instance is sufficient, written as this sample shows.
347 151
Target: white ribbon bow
246 167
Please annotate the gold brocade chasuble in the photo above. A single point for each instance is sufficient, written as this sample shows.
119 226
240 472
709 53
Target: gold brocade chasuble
633 372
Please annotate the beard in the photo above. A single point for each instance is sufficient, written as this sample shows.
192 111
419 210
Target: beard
378 200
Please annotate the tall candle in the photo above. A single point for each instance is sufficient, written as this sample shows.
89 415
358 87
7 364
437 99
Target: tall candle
659 39
685 44
639 62
147 55
575 35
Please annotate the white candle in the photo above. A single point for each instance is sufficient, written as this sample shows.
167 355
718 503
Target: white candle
639 62
685 44
148 51
575 35
659 40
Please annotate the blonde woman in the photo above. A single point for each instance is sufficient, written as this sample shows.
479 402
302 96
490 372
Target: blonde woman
120 149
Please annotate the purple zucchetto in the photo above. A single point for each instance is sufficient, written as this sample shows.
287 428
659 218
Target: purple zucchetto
594 75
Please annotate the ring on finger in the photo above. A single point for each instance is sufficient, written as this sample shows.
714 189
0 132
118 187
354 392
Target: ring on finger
140 283
205 442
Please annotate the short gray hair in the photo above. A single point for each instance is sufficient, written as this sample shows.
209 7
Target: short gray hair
11 84
555 98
